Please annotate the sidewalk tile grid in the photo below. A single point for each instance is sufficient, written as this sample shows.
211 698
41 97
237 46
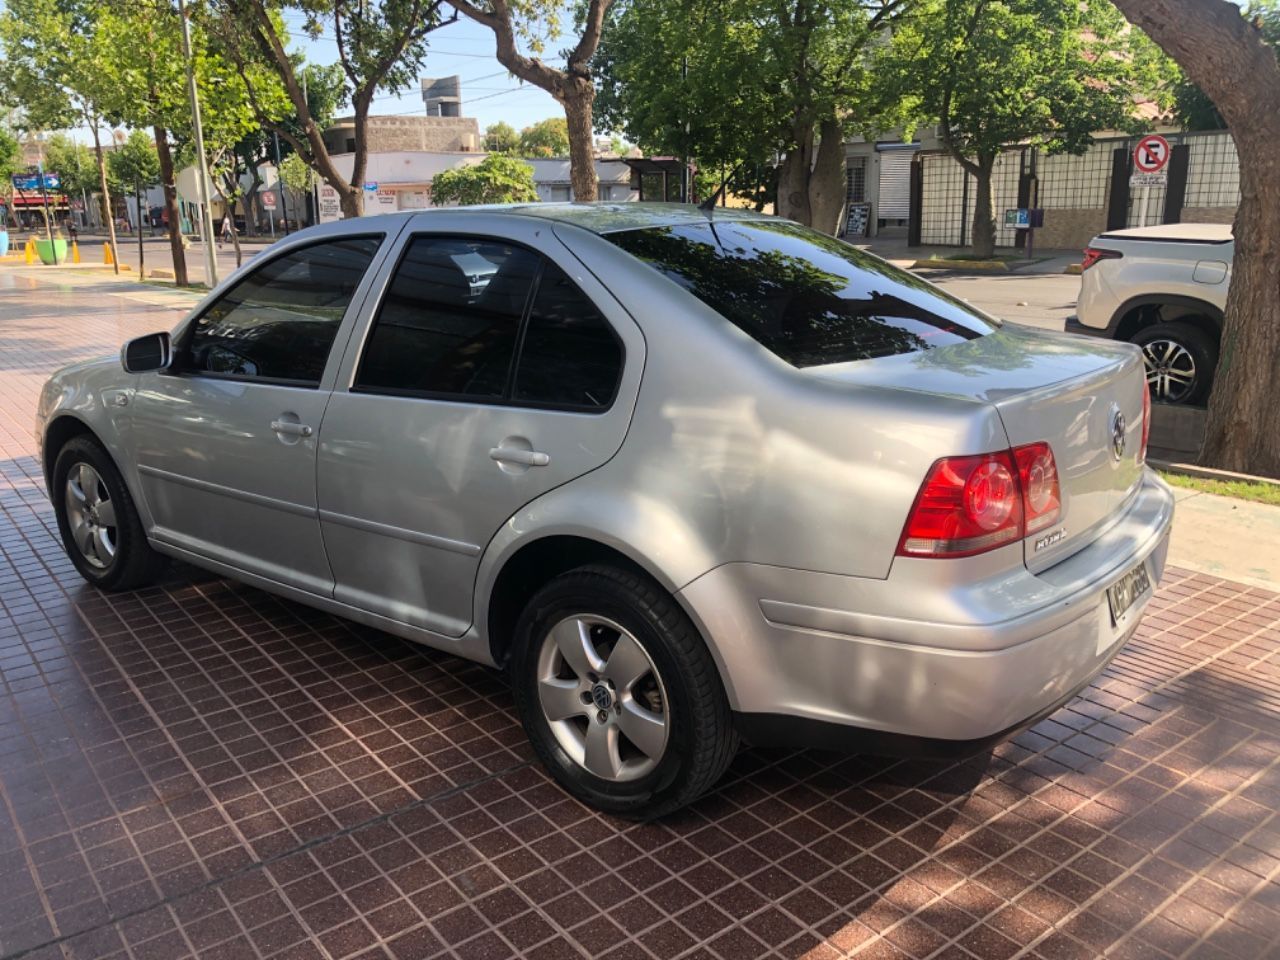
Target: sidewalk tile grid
203 770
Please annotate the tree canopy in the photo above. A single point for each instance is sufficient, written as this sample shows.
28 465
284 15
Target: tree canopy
995 73
546 138
498 178
501 137
735 84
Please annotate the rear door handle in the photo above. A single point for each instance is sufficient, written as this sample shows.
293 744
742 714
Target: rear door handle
527 458
289 428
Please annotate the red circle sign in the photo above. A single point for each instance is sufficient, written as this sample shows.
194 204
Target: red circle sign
1151 154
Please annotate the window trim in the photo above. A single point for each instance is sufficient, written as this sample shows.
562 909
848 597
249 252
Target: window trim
507 399
189 331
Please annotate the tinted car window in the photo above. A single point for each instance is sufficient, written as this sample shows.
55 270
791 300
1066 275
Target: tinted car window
450 320
570 356
809 298
279 322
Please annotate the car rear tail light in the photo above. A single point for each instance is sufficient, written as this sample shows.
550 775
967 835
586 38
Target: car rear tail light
1146 423
1038 477
1093 254
966 505
969 505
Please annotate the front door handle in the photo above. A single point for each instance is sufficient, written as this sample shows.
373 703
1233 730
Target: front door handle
526 458
289 428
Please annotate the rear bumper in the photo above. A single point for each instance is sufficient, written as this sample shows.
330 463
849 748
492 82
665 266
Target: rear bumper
1073 325
919 663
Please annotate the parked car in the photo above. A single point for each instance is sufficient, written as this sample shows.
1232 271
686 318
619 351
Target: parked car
686 476
1163 288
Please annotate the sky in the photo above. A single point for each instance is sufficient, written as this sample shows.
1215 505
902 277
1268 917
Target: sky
465 48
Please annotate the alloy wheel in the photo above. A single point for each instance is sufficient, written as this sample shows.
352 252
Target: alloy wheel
603 698
1171 370
91 516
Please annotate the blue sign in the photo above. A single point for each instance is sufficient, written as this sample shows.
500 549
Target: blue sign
1017 217
371 186
31 181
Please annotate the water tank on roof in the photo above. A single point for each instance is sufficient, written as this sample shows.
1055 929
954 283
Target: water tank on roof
442 96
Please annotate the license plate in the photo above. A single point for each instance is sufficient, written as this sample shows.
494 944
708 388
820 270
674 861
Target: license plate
1126 591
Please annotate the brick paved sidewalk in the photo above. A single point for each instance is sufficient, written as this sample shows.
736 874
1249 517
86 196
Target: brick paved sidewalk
205 770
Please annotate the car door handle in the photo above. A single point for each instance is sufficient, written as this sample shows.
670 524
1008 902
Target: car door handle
290 428
527 458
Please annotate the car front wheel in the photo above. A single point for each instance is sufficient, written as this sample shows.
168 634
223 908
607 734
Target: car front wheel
1180 360
98 520
619 694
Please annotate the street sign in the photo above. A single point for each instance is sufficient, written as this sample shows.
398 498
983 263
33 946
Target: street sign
1149 179
330 207
1151 155
268 198
371 186
31 181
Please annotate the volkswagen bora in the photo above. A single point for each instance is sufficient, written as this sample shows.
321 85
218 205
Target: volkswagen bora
687 476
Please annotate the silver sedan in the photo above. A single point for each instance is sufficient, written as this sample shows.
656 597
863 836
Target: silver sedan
688 476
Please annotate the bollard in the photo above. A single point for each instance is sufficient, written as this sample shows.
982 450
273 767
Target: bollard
107 258
75 252
30 251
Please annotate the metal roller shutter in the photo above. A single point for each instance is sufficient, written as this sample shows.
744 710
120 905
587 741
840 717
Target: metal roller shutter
895 181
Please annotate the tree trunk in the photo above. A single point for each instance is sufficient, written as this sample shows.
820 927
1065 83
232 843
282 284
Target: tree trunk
106 196
827 188
171 207
793 176
984 210
1228 58
578 103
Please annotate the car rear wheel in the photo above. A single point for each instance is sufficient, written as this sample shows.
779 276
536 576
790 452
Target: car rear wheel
619 694
1180 360
98 521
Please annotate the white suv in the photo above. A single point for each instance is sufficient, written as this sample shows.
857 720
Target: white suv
1163 288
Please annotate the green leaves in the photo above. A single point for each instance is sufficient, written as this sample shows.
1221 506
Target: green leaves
134 163
546 138
1001 72
501 137
496 179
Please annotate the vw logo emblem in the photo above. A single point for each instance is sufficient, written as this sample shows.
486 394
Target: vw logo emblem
1117 434
601 697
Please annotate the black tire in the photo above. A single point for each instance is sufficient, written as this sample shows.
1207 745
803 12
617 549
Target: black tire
701 740
134 564
1202 348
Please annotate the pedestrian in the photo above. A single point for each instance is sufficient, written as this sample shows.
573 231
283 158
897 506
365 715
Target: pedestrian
226 228
71 229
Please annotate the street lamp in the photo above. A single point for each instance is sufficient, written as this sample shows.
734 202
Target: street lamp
202 168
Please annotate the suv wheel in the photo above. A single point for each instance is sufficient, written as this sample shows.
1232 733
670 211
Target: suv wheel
619 694
1180 360
98 521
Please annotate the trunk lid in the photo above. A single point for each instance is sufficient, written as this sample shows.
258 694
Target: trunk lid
1073 392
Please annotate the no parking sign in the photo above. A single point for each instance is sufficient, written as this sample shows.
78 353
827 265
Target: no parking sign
1150 162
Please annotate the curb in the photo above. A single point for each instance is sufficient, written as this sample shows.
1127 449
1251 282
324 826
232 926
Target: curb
1208 473
982 266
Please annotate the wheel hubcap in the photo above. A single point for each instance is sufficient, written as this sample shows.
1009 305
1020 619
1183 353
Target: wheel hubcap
91 516
1171 370
602 697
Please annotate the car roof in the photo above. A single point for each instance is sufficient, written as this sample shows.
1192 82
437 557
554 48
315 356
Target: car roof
604 217
1196 232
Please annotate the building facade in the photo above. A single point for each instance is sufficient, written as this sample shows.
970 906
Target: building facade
438 134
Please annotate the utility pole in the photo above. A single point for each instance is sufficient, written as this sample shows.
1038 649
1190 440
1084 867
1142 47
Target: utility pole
202 167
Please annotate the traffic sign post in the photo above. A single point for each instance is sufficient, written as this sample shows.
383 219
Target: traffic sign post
1150 166
268 198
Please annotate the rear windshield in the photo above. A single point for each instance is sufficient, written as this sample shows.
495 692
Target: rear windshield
807 297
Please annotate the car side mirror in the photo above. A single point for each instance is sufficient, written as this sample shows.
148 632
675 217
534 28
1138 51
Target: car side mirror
144 354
